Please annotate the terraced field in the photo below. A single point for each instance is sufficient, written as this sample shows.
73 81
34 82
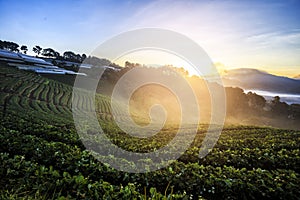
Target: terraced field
23 91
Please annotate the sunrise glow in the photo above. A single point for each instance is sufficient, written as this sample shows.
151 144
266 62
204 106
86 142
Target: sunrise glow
253 34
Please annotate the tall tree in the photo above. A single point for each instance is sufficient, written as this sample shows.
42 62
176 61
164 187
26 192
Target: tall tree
37 50
24 49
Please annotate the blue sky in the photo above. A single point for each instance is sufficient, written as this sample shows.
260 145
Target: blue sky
258 34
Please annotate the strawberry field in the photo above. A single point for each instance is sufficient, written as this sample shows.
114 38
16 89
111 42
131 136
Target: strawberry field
42 157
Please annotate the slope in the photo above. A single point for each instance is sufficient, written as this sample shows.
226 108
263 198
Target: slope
28 93
259 80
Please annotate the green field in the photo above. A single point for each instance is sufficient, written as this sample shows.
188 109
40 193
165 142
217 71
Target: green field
42 156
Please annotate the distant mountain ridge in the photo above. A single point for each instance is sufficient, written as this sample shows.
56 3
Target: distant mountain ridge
254 79
297 77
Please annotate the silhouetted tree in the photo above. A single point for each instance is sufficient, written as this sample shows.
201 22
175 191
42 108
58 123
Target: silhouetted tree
132 65
5 45
10 46
278 107
83 57
50 53
37 50
69 55
24 49
276 100
255 101
236 99
78 58
56 54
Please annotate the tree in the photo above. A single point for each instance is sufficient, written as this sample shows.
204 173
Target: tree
69 55
278 107
24 49
14 47
83 57
276 100
56 54
37 50
256 101
48 52
236 100
10 46
78 58
131 65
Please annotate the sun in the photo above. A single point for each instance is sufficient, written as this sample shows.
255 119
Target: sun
156 58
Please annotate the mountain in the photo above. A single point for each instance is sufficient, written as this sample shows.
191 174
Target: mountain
253 79
297 77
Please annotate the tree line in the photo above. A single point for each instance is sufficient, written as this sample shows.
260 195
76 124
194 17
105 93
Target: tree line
46 52
249 107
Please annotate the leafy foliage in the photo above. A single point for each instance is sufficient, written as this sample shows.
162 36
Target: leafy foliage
11 46
42 157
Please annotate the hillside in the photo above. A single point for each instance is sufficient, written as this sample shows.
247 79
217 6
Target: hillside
23 91
259 80
42 157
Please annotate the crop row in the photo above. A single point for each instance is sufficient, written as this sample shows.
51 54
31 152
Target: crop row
194 178
47 96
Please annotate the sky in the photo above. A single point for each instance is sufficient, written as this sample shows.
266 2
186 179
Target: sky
261 34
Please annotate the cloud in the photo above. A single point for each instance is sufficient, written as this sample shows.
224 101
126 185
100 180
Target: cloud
236 33
276 39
